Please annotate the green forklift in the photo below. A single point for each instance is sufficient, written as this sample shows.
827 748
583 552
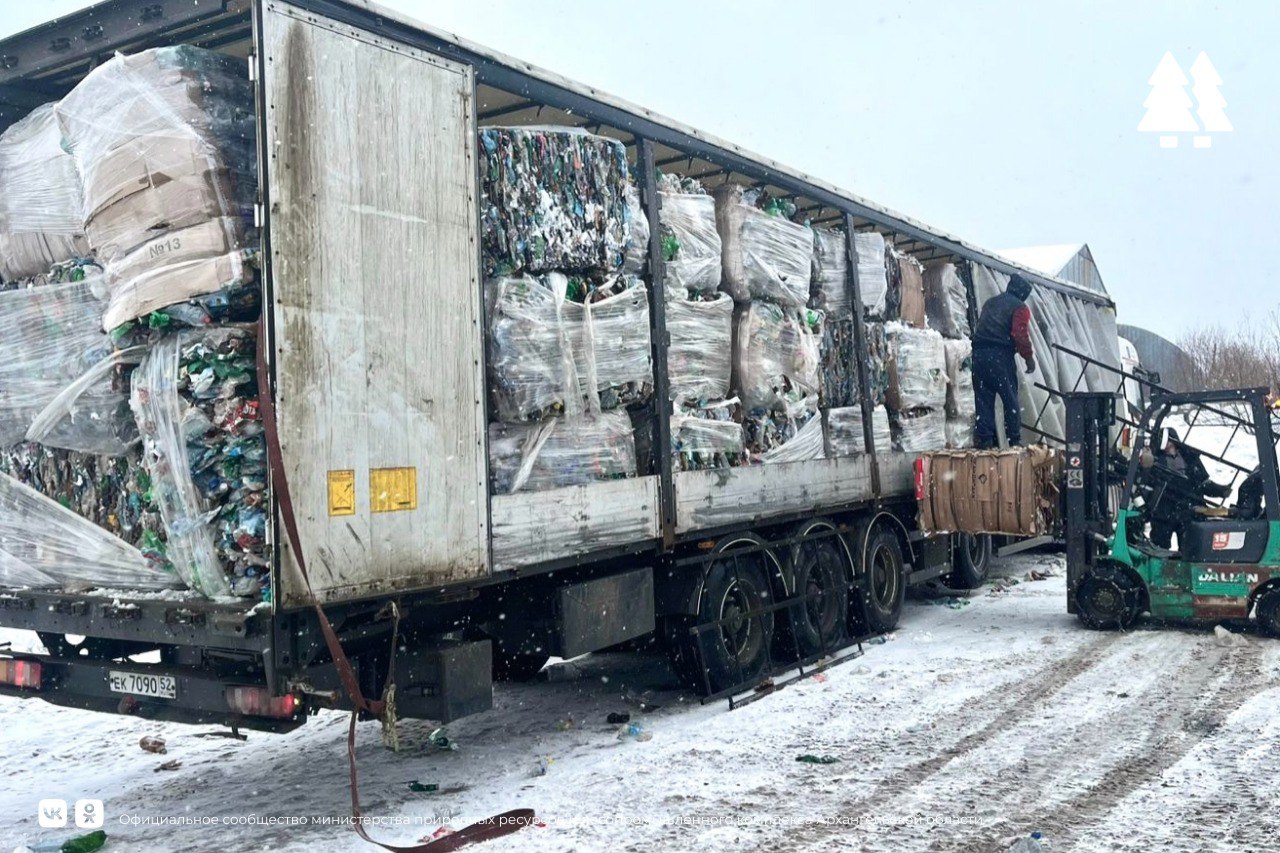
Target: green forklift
1225 565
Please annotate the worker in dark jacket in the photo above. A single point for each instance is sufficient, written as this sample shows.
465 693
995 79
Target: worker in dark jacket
1004 327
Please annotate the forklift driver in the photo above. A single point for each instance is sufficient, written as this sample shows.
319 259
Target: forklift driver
1176 502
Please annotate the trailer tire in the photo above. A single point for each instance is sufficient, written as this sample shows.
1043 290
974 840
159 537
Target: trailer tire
820 576
881 590
1269 612
972 561
736 653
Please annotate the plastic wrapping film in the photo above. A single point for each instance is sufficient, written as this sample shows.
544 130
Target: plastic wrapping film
763 256
808 442
43 544
532 373
51 342
63 272
829 288
691 246
608 335
919 430
917 369
845 435
552 198
113 492
700 355
769 430
636 256
946 304
195 399
164 141
877 362
776 353
873 285
560 452
41 209
958 356
959 433
707 436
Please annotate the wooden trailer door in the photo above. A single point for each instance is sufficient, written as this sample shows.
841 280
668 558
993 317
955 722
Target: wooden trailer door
371 216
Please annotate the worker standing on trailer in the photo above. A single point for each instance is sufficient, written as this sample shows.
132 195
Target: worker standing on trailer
1004 327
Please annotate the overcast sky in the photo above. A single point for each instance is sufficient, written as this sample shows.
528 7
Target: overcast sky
1007 123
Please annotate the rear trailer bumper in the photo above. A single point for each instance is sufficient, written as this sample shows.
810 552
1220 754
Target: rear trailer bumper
95 685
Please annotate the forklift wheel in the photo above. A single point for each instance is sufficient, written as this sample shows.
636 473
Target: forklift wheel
1107 600
1269 612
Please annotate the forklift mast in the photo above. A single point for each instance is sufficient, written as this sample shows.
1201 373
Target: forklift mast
1087 516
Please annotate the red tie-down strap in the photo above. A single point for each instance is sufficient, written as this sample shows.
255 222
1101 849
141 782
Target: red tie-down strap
494 827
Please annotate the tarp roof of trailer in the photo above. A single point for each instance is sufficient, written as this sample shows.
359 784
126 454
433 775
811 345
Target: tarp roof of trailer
223 23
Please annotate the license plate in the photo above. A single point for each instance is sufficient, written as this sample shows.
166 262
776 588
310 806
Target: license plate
141 684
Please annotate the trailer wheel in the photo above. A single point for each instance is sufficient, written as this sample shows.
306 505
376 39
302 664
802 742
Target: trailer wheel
1269 612
973 561
877 603
735 590
820 574
1107 599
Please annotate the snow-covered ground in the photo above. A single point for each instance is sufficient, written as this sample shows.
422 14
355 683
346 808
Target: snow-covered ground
978 721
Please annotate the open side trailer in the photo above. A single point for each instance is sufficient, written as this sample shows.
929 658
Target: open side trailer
375 341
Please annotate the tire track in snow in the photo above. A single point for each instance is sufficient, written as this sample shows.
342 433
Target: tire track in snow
1184 710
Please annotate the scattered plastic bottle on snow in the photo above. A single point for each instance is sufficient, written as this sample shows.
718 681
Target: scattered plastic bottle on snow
80 844
635 732
1033 843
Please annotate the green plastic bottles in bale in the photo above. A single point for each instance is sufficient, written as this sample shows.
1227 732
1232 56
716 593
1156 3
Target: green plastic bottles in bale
552 199
195 397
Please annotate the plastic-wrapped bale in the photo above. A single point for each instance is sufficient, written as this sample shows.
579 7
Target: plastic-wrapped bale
829 289
164 141
707 436
837 363
917 369
959 433
772 429
700 356
961 408
552 198
45 545
845 434
877 362
775 352
532 373
918 430
911 302
195 397
41 218
873 286
560 452
958 356
691 247
111 491
63 272
809 442
636 256
60 379
763 256
609 336
946 303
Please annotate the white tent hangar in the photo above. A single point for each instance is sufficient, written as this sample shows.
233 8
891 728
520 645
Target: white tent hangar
1071 262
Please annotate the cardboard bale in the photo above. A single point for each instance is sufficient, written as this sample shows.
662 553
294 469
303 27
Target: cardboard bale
1012 492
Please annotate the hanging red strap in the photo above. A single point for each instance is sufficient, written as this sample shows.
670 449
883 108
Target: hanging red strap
494 827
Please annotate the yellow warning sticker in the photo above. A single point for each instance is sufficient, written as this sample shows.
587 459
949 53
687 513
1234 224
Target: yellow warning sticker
393 489
342 492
